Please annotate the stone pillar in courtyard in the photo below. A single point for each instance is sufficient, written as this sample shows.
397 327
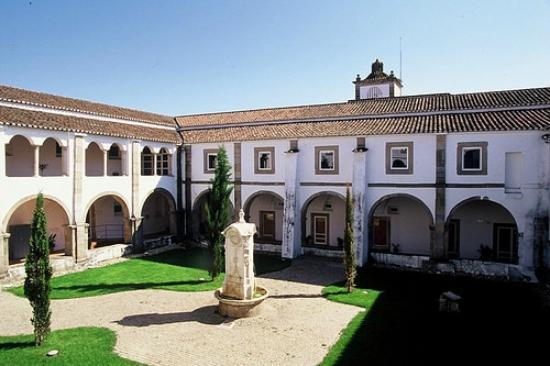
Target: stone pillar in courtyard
239 296
79 226
291 245
135 215
359 187
4 255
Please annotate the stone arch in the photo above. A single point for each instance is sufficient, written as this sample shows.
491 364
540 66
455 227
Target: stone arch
52 158
480 228
112 225
265 209
94 166
18 222
197 225
400 223
335 222
158 216
116 160
19 157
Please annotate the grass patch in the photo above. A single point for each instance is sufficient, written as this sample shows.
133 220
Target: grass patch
177 270
361 297
77 346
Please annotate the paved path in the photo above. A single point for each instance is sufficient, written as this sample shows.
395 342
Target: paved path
296 327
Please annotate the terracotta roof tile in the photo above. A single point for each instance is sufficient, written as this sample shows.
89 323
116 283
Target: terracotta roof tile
12 94
53 121
377 107
436 123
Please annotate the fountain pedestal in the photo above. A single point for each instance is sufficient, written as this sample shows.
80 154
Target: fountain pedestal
240 297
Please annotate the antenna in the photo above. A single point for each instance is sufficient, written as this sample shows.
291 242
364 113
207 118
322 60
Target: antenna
400 60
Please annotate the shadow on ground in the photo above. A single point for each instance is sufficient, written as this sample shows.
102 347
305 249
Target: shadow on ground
499 323
204 315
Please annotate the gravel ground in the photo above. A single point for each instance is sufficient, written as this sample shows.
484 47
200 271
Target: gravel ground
296 326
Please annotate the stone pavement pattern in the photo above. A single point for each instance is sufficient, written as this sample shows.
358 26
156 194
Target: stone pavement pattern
296 327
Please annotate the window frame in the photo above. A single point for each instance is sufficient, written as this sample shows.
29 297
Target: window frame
164 160
206 154
390 146
147 159
473 148
461 147
257 152
336 159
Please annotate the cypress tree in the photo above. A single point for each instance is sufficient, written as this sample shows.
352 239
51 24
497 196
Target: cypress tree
349 252
37 266
217 211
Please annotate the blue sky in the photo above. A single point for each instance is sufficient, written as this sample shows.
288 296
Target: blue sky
181 57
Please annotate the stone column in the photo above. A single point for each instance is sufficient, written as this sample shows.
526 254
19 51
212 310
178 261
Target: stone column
64 161
79 227
37 160
438 242
105 153
135 215
292 238
237 186
4 255
154 164
187 178
360 223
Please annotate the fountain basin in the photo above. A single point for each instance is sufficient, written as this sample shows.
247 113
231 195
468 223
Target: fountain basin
236 308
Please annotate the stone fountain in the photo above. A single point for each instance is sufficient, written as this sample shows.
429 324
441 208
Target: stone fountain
240 297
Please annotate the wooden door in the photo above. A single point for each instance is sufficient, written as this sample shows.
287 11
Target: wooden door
381 233
453 244
320 227
267 224
505 244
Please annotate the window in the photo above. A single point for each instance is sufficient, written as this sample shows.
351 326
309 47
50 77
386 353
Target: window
117 209
374 92
326 160
210 160
146 162
399 158
264 161
163 162
58 150
114 153
471 158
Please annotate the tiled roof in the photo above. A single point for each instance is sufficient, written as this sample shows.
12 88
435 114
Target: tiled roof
517 120
53 121
11 94
378 107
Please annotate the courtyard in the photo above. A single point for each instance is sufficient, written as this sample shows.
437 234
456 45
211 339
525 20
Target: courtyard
159 320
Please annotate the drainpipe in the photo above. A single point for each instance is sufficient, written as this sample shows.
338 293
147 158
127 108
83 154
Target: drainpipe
545 260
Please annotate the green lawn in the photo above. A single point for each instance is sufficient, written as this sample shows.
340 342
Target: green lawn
77 346
177 270
499 322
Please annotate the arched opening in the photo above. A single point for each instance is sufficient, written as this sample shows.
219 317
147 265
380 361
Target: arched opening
115 160
323 220
400 224
19 226
147 160
109 222
94 160
159 215
198 225
51 159
19 157
164 162
265 209
482 229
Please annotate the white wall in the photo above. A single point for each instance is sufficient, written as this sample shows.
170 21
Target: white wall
476 225
410 227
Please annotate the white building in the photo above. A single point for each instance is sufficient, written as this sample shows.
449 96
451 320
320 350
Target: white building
438 180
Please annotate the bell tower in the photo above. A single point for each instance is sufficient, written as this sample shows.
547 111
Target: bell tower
378 84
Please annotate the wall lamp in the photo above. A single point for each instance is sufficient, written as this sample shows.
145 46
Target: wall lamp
546 138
